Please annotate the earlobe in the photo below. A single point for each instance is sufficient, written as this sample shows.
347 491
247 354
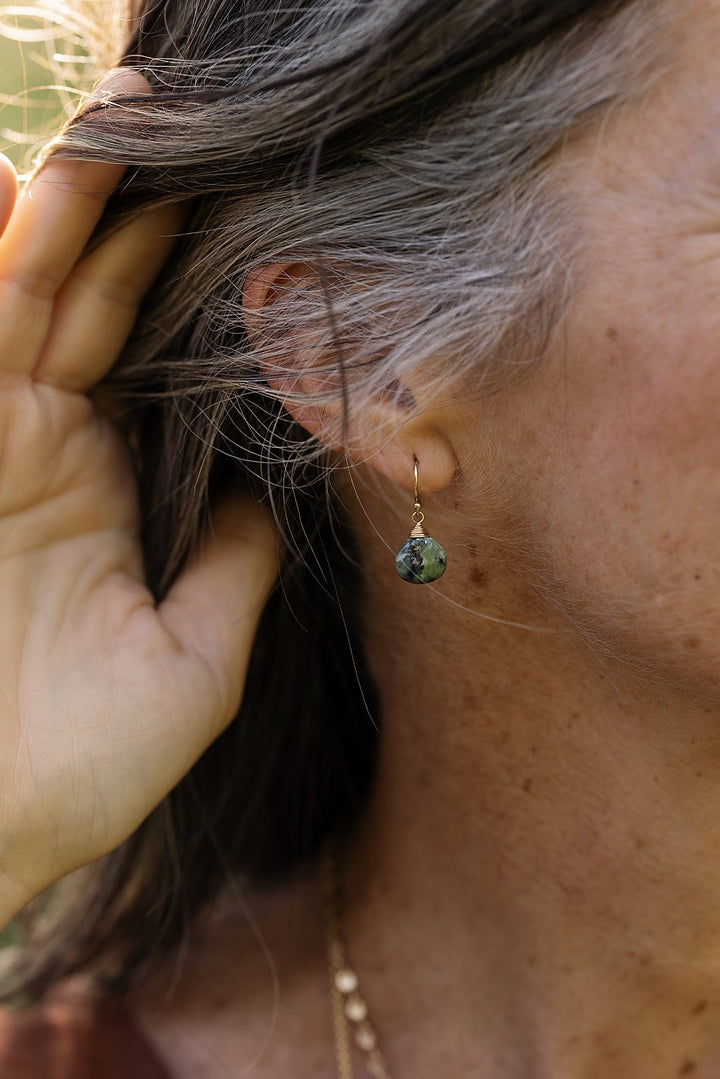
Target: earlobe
421 442
386 429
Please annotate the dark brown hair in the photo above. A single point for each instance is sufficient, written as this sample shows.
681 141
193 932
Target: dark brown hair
409 137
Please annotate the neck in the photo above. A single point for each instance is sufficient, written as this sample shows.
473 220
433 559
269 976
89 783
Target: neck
537 873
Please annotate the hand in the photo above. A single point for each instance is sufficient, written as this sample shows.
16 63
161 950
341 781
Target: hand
106 700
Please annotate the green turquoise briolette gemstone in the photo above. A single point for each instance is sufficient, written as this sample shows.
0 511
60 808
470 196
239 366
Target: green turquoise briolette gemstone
420 560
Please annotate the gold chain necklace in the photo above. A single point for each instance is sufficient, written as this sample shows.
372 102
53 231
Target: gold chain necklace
348 1007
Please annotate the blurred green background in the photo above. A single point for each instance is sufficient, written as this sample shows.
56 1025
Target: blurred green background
42 73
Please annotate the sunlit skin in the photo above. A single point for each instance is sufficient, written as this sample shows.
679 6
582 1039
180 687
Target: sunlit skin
534 890
86 656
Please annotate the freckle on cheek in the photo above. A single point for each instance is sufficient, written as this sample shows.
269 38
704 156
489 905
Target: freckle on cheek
478 577
611 333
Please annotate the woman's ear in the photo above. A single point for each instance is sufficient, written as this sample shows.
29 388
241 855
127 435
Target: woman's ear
385 429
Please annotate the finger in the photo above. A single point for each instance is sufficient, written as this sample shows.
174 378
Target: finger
214 607
47 233
60 208
51 225
97 306
8 191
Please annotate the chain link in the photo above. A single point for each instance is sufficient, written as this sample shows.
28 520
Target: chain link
348 1006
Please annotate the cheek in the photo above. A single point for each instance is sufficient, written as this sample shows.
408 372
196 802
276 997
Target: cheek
623 482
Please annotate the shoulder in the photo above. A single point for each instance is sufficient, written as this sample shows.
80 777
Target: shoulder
71 1037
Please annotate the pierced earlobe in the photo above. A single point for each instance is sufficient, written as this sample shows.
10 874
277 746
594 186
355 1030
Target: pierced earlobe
421 559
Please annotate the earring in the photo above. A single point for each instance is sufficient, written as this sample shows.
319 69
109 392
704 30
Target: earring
421 559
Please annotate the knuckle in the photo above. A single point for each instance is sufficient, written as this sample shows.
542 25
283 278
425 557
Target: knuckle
32 284
111 292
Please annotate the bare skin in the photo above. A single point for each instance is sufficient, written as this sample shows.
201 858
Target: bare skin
534 890
86 657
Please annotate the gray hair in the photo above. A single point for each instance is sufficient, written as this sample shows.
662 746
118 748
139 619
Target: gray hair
440 229
407 150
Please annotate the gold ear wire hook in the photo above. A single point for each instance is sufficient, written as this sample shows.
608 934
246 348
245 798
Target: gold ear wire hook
421 559
417 515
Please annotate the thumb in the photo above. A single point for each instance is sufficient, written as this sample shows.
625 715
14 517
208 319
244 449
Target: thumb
214 607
